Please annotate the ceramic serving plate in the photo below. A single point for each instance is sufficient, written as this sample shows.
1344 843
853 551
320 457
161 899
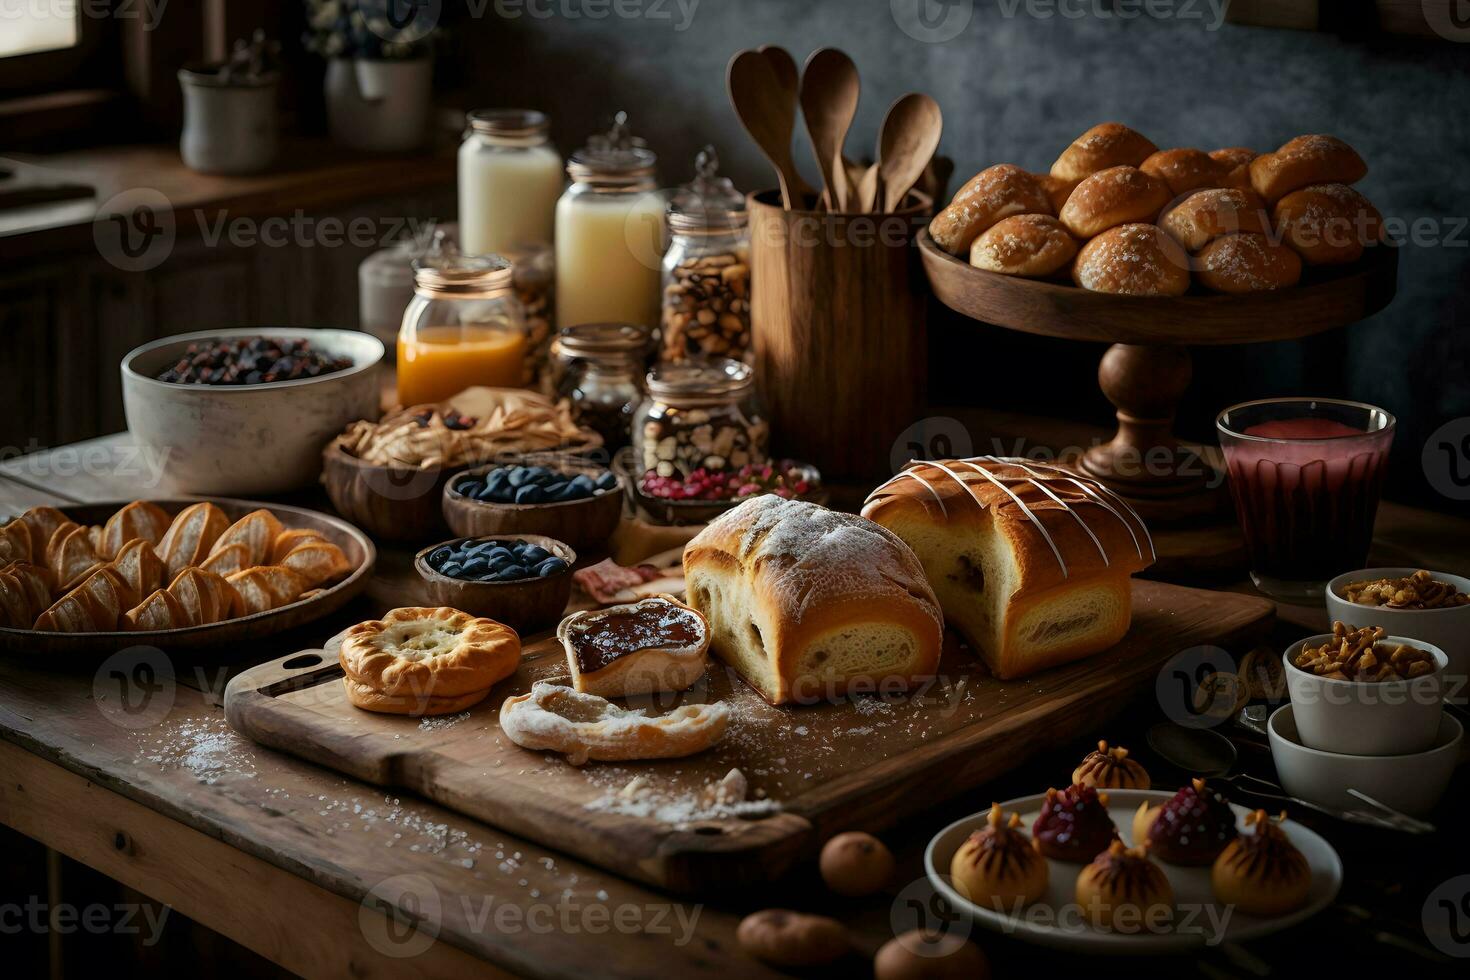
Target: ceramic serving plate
229 636
1057 921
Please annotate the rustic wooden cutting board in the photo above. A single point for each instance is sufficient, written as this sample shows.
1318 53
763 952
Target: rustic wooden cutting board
862 763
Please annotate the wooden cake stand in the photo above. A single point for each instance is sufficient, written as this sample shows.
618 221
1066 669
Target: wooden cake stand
1147 370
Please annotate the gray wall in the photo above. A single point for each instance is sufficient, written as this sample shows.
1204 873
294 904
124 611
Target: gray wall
1019 88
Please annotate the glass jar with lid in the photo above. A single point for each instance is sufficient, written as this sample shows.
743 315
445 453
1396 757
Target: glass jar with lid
699 414
509 179
464 327
706 271
599 369
510 176
609 233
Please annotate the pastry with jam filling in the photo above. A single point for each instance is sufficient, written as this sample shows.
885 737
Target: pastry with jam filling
654 644
1074 824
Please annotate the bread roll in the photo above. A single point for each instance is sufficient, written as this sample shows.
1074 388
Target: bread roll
1057 190
1206 215
1233 156
1185 170
1113 197
1024 245
1030 562
992 194
1134 260
1105 145
1247 264
807 603
1327 224
1304 161
1239 178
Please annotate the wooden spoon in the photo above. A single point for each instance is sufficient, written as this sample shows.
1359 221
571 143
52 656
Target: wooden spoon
906 144
829 98
767 110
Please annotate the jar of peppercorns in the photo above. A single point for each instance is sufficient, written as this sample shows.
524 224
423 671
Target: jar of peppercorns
706 270
699 414
599 368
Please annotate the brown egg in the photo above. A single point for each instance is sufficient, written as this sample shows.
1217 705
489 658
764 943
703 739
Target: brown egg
921 955
856 864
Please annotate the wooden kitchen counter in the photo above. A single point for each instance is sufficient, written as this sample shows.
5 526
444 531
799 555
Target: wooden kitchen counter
300 864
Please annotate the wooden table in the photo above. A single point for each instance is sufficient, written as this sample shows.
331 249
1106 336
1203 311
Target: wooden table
314 871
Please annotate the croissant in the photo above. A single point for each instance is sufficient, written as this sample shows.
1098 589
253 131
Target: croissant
257 530
316 562
266 587
194 598
15 542
139 519
70 555
287 541
25 592
94 605
43 522
139 566
229 559
188 539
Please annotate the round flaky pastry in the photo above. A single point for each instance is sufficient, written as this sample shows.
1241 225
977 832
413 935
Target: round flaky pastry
416 654
584 726
369 699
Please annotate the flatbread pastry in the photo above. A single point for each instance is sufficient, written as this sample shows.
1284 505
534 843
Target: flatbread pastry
584 726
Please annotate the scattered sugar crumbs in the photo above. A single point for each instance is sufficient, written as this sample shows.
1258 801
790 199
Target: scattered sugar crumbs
207 747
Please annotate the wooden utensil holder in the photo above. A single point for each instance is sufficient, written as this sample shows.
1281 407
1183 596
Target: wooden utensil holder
837 321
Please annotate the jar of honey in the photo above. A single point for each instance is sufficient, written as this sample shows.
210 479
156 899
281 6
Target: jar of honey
464 327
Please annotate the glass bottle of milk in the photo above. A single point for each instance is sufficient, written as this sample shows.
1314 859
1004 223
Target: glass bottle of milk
509 179
610 233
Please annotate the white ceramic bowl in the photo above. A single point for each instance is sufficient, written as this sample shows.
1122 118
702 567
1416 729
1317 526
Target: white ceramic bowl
1447 628
1411 783
243 440
1366 717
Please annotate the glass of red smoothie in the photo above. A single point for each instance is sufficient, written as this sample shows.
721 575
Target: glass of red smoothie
1305 474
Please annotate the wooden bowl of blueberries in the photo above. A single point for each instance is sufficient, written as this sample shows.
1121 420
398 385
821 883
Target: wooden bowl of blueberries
578 502
523 580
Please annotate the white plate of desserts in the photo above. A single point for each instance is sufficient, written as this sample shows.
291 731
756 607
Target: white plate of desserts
1195 917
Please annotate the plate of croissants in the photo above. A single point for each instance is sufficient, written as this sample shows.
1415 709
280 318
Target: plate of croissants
171 573
1122 241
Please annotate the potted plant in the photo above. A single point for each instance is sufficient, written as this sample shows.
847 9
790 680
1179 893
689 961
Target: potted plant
379 70
230 118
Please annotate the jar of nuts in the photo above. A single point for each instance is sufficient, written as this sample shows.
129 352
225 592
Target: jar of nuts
706 271
700 414
534 287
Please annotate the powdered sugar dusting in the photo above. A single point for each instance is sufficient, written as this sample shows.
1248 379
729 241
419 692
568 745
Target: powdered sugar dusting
206 747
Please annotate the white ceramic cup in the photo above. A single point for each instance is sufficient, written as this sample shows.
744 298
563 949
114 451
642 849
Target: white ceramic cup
1447 628
1410 783
1366 717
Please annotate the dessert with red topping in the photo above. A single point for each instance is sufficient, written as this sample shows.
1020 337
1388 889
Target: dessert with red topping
1193 827
1073 824
1124 891
785 479
1261 872
997 866
1111 769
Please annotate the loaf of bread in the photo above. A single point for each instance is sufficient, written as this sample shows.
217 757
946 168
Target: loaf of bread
1031 563
808 603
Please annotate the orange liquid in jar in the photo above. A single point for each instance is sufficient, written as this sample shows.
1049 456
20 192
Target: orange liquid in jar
439 362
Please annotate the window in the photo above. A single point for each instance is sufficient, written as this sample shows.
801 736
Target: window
33 26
